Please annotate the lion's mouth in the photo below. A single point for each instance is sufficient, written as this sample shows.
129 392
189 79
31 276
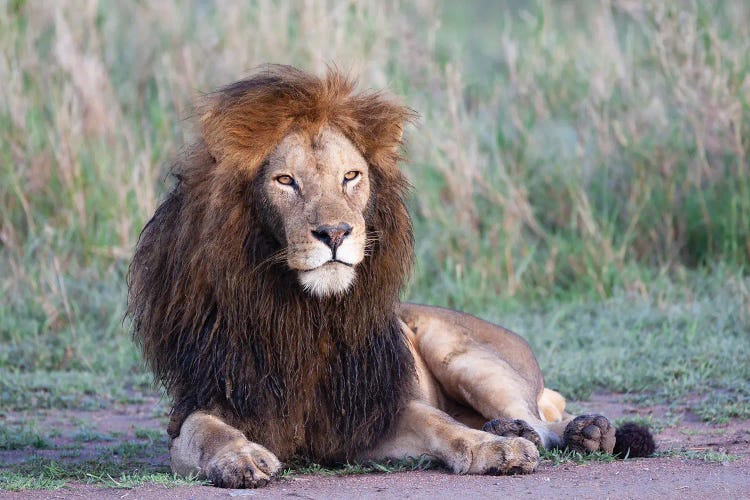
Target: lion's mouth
337 261
326 264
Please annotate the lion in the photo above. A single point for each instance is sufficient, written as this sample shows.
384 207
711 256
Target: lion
265 295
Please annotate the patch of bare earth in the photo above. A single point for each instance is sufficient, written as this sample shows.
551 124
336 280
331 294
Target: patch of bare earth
675 476
82 435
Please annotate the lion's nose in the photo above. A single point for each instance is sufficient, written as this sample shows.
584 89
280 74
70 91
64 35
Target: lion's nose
332 235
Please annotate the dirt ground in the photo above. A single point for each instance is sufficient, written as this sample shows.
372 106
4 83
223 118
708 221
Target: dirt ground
690 470
652 478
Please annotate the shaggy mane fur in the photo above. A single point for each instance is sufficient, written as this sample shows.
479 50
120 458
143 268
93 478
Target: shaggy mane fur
227 328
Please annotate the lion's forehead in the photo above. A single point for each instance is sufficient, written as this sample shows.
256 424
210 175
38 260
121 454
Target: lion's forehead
329 151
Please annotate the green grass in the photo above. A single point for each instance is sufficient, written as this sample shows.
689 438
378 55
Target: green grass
18 437
17 481
710 456
153 435
75 389
115 469
684 345
562 457
89 436
580 175
129 481
681 340
349 469
48 474
114 461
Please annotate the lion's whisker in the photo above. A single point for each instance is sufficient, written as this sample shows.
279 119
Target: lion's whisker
275 258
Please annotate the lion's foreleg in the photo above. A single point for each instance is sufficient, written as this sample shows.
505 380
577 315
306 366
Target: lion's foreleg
210 448
423 430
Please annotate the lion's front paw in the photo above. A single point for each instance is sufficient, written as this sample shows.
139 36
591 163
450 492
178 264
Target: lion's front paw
504 456
590 433
509 427
246 465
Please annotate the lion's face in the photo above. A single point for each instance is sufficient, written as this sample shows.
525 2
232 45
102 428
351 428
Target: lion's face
319 187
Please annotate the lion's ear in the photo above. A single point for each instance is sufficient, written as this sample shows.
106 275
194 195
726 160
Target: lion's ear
237 132
211 126
381 121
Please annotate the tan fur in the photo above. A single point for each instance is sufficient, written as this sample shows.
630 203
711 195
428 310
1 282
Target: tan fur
484 371
551 405
278 342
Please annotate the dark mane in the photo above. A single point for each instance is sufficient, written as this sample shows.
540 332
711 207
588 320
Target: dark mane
226 328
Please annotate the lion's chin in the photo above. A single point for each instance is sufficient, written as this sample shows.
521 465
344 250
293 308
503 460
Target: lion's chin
329 279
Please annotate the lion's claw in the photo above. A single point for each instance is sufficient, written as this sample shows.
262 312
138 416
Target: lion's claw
509 427
507 456
248 466
590 433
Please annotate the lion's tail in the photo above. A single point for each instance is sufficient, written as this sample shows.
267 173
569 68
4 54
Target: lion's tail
633 440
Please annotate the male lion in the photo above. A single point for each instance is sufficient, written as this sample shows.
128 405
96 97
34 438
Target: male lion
265 295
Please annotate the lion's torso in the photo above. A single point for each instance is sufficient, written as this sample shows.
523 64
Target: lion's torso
335 400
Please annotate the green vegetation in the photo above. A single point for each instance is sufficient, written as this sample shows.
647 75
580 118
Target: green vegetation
686 345
349 469
112 460
560 457
704 455
48 474
89 436
580 175
17 437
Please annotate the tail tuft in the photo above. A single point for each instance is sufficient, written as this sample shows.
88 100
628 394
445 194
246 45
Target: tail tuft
633 440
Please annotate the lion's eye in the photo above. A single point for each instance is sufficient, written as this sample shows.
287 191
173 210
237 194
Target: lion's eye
286 180
351 175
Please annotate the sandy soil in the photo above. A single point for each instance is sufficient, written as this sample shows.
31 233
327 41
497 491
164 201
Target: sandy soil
662 477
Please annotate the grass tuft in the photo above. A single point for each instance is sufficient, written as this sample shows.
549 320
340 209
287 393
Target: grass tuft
348 469
563 456
18 437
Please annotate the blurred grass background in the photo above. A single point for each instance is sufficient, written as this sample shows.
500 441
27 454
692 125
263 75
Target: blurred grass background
580 174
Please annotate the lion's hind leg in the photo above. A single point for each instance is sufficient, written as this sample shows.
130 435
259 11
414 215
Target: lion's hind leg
487 369
492 372
210 448
551 405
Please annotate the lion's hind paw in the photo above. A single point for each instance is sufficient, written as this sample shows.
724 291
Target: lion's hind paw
590 433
